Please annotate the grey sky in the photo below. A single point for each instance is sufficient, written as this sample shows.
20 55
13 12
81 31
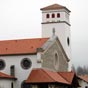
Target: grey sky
22 19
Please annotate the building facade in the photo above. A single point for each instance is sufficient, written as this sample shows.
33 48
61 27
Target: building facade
57 17
49 55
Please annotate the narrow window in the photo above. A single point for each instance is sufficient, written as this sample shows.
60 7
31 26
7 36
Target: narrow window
53 15
12 85
12 70
68 41
58 15
86 86
56 59
47 16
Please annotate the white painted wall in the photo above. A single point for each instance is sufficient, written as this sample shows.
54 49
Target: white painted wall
4 83
20 73
64 16
82 83
62 29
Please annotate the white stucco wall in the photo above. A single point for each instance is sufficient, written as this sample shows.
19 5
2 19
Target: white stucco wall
6 83
64 15
62 29
82 84
20 73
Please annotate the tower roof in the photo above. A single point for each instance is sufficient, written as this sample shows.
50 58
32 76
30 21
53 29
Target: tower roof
54 7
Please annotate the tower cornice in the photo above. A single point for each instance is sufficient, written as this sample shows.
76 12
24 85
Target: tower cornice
56 22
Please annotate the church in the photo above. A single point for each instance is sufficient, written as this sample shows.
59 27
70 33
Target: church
40 62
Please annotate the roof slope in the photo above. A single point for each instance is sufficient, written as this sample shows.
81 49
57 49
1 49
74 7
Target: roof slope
67 75
54 7
45 76
23 46
84 77
5 76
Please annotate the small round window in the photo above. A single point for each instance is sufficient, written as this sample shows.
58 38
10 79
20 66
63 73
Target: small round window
26 63
2 64
68 41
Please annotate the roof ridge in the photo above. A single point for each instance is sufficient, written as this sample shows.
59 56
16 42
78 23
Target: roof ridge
47 73
52 77
64 77
22 39
54 7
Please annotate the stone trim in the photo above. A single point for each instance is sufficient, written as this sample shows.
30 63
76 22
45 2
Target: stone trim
56 22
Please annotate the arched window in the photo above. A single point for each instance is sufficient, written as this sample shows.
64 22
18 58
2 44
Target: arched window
56 59
68 41
47 16
58 15
53 15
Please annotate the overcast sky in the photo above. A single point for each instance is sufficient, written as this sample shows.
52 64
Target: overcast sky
22 19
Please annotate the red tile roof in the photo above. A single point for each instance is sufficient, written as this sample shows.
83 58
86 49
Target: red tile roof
84 77
5 76
23 46
67 76
43 76
54 7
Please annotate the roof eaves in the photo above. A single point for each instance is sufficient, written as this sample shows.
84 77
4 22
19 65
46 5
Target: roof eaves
66 79
82 79
34 53
8 78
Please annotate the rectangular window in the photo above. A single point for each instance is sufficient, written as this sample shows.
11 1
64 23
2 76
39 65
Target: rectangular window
12 70
58 15
86 86
12 85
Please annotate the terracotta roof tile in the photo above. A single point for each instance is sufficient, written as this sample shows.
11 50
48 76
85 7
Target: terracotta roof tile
67 76
54 7
5 76
23 46
42 76
84 77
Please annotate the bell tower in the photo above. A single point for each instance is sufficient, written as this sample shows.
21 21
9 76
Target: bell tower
57 16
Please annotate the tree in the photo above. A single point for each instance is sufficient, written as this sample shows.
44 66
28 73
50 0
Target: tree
80 70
